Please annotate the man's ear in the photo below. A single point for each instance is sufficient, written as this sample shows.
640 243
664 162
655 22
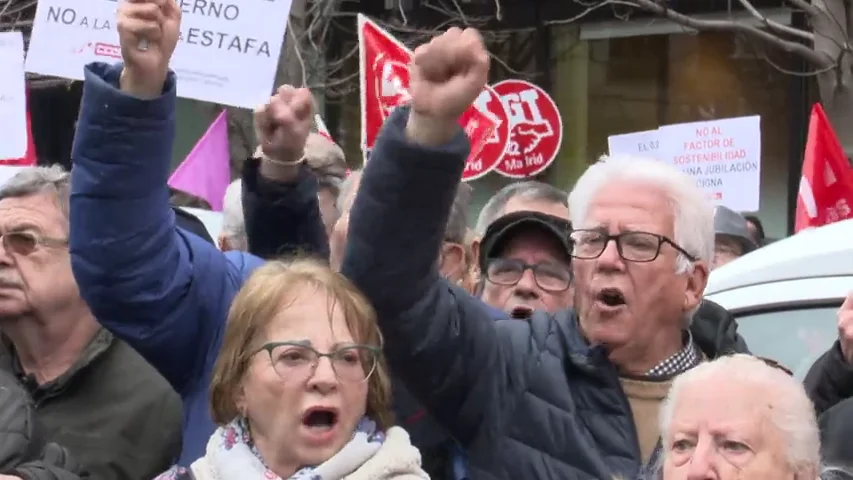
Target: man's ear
475 249
452 261
696 282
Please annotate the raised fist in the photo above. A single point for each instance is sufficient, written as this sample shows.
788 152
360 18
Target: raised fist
845 328
148 33
282 125
448 74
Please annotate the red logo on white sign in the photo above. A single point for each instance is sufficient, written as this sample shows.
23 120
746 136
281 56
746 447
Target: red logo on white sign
384 75
536 129
489 104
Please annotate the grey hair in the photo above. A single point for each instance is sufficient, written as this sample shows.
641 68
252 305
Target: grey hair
233 223
528 190
793 413
457 223
54 180
694 215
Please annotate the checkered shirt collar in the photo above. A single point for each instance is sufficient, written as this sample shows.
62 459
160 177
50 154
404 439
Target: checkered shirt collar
679 362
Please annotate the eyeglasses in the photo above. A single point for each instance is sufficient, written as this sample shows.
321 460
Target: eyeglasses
24 243
549 277
297 361
637 247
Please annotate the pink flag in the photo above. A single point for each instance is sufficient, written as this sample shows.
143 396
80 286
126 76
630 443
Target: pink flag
206 172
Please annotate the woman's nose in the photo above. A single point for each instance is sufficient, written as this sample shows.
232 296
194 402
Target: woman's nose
324 378
703 462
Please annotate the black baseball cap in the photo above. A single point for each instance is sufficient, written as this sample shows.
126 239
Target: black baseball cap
502 230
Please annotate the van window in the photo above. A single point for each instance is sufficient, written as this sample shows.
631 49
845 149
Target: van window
794 337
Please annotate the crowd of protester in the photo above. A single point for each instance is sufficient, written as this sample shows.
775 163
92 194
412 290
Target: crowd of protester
350 325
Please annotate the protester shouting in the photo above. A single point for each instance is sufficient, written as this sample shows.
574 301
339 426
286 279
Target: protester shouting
300 389
93 394
163 290
568 396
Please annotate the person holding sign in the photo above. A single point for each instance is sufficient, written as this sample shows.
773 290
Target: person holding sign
163 290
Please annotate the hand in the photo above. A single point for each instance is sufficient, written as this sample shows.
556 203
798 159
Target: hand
282 125
9 477
156 23
845 328
446 76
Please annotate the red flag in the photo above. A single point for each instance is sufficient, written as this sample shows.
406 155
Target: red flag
826 187
384 76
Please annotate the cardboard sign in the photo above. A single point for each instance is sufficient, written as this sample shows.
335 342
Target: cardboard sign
227 52
384 76
723 156
536 129
13 97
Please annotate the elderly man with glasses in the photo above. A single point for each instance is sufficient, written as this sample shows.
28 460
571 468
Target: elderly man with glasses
526 264
568 395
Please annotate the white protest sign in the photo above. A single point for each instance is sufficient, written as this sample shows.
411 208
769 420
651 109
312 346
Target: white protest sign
13 96
228 51
724 156
641 144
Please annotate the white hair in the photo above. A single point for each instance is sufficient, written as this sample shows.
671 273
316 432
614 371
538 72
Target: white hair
693 213
233 223
529 190
792 412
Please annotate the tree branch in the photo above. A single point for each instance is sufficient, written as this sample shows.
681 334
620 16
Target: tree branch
773 25
804 51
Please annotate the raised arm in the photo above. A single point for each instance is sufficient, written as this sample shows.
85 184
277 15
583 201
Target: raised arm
280 205
439 340
164 291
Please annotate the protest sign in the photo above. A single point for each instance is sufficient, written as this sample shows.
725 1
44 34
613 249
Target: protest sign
13 97
489 104
536 129
384 79
641 144
723 156
227 53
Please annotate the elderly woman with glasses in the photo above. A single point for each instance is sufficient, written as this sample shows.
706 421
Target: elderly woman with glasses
300 389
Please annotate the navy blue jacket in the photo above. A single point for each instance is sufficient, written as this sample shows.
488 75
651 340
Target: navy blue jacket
525 399
164 291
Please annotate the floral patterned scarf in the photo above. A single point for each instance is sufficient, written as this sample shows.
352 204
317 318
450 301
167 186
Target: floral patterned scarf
232 455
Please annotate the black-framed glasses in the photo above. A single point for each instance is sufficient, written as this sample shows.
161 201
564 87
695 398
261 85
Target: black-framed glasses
298 361
24 243
637 247
507 272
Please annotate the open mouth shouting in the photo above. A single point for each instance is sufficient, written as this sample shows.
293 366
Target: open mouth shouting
320 424
609 300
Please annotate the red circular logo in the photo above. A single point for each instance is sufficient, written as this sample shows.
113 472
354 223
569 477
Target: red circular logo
490 105
536 129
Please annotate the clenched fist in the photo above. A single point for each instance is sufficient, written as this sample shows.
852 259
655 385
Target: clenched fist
148 33
845 328
446 76
282 125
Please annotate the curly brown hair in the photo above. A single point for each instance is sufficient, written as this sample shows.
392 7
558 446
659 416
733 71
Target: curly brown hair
268 290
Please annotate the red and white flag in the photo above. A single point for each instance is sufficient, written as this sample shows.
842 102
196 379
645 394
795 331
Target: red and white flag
826 187
384 76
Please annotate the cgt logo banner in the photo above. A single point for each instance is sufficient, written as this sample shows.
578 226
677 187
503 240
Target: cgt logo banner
536 129
384 76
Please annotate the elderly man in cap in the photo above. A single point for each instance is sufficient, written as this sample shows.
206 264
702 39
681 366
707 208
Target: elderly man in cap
525 260
731 237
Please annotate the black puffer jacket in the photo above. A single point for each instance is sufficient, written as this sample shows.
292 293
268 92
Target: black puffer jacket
23 451
525 399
